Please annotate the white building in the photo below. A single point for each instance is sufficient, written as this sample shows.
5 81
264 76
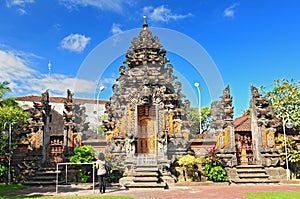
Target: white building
94 108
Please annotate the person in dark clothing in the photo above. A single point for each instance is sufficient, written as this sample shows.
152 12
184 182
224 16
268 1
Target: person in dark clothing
101 172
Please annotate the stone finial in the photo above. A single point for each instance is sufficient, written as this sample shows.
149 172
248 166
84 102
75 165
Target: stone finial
145 22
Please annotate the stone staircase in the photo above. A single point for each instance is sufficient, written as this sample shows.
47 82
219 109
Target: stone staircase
252 174
146 176
41 176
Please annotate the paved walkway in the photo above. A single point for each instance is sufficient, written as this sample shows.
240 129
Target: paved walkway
188 192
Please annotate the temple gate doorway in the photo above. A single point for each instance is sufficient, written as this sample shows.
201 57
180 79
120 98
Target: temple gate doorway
146 142
244 148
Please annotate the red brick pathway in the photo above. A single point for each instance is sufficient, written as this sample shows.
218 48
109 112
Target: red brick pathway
177 192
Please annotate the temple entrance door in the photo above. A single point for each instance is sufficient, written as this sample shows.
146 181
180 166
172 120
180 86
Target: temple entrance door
244 148
146 130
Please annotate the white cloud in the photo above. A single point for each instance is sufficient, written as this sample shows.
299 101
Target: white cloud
22 11
75 42
14 67
21 3
11 63
163 14
116 29
229 12
115 5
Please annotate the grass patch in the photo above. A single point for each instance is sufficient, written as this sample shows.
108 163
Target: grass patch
4 188
14 187
273 195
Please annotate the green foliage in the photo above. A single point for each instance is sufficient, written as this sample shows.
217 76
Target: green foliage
189 164
298 174
83 154
101 127
113 170
4 88
285 98
194 117
215 173
10 114
83 174
213 168
292 149
292 152
3 169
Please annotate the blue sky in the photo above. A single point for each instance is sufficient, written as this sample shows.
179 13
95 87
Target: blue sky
250 42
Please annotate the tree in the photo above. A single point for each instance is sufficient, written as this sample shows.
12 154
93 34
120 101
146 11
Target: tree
194 117
285 99
292 154
4 88
10 114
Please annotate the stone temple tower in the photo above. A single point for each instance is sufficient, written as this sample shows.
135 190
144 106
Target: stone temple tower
147 124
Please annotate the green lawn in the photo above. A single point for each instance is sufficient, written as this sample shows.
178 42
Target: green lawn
10 188
14 187
273 195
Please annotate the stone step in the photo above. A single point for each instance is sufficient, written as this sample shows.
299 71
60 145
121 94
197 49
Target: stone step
39 182
249 166
250 171
146 165
254 181
38 177
47 168
145 179
146 169
45 173
145 174
254 175
147 185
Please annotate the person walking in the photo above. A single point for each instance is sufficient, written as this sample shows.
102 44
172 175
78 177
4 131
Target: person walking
101 172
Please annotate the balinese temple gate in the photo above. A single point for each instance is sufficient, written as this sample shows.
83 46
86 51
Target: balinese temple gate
247 145
147 126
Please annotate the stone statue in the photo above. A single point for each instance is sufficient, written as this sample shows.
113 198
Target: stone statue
45 97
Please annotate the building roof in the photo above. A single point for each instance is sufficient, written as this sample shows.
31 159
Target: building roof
242 123
57 123
36 98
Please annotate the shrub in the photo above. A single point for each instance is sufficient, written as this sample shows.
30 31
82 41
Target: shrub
113 169
83 154
293 154
213 168
189 164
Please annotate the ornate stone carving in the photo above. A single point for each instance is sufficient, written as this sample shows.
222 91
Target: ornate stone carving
262 108
222 111
148 103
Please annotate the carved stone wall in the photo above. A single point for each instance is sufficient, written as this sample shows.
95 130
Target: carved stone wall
146 80
263 130
222 124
